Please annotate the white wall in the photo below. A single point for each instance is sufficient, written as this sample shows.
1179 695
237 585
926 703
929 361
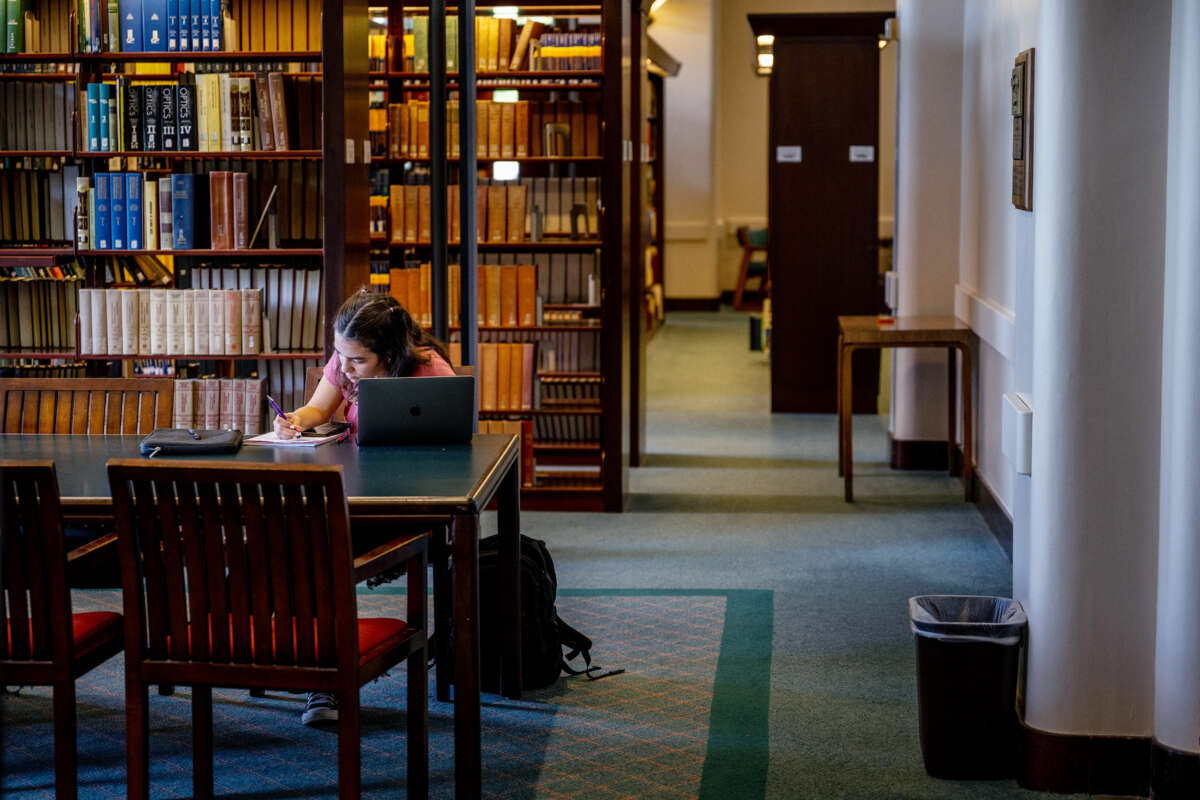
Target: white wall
685 30
995 271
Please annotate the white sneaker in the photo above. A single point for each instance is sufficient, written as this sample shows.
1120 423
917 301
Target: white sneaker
321 707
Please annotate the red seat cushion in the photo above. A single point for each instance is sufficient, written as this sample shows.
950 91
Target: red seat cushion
375 634
89 629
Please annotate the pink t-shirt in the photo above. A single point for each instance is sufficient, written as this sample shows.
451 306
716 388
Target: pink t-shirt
436 368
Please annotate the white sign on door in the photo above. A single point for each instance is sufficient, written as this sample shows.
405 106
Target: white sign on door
788 154
862 152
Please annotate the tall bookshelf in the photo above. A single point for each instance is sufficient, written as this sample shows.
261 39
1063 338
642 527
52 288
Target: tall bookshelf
576 406
260 37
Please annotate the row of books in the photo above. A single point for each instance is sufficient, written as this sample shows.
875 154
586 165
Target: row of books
219 403
41 368
140 270
505 211
557 351
205 112
569 390
195 25
510 295
515 129
567 428
37 116
505 375
36 27
291 299
222 322
500 46
38 311
37 207
128 211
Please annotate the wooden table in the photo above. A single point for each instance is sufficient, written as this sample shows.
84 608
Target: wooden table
444 484
862 332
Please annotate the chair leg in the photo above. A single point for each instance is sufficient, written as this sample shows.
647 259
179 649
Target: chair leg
65 767
740 290
349 747
202 742
137 739
439 555
418 726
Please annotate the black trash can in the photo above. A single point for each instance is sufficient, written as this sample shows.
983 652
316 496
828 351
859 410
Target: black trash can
967 660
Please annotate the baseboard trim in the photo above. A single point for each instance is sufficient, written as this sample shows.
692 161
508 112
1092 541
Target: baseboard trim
924 455
1174 774
1072 764
692 303
996 518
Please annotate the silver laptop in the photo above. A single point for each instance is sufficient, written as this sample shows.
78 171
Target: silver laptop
416 410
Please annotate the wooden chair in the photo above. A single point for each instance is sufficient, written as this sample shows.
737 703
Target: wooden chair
242 576
754 243
85 405
38 648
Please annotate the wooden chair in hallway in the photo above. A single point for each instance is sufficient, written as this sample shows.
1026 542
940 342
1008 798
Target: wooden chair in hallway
85 405
754 265
44 644
242 576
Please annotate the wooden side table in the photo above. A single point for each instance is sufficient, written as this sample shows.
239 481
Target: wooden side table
861 332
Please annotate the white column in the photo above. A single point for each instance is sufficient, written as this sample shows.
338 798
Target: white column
1177 663
1099 195
928 144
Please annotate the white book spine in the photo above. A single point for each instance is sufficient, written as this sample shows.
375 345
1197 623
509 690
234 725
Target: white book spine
85 321
143 320
251 320
174 321
200 319
158 321
233 322
189 321
253 412
112 314
185 403
216 322
232 397
210 391
129 322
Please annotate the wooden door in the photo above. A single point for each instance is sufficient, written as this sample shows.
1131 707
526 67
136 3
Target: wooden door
823 212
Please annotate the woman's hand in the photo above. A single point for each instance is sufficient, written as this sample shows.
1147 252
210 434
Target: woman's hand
287 428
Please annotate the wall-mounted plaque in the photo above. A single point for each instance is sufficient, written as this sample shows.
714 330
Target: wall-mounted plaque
1022 117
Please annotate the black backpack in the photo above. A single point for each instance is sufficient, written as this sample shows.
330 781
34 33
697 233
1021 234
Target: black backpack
543 633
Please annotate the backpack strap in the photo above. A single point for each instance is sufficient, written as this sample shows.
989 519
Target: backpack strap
579 645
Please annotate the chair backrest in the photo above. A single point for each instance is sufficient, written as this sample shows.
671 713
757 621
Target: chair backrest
225 566
85 405
752 238
34 598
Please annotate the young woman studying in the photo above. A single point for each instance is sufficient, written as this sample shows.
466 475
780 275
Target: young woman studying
373 337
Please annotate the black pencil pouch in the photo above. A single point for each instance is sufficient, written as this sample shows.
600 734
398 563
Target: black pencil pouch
185 441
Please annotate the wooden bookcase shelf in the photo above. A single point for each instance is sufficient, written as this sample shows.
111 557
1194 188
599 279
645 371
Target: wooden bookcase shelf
291 56
180 155
605 324
320 270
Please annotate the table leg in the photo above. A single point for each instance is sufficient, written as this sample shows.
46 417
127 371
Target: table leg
841 439
467 740
846 429
439 556
508 518
968 470
951 401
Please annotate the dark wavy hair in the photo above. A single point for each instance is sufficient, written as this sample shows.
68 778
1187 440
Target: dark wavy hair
379 323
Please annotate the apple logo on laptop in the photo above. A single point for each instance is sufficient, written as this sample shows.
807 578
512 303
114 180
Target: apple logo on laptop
415 411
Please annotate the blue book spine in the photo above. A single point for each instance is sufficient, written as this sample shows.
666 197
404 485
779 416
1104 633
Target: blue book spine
105 97
194 13
214 14
205 26
183 193
93 117
131 26
173 26
133 210
154 25
103 216
116 204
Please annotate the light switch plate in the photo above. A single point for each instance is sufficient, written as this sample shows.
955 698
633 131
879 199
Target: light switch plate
1016 431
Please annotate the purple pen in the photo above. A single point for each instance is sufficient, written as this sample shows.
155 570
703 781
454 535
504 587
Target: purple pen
278 410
